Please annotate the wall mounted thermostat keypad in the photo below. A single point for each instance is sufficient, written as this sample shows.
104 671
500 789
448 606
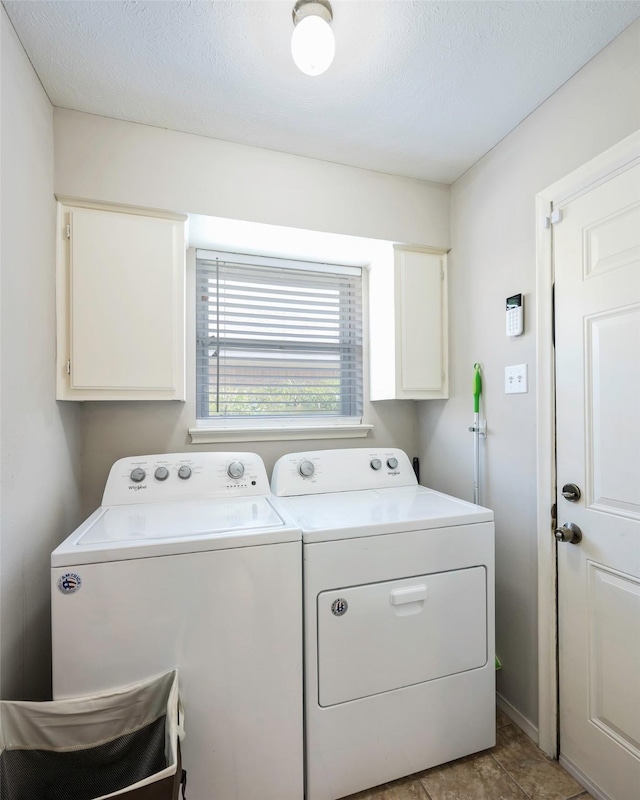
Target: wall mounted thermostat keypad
515 315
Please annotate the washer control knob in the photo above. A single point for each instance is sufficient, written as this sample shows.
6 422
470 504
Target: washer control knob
161 474
138 474
376 463
184 472
306 469
235 469
392 463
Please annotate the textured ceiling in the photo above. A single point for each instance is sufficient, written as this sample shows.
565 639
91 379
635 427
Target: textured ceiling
421 89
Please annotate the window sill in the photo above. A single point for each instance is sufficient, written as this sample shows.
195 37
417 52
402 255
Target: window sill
282 432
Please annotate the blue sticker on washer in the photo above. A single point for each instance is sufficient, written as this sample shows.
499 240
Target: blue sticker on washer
69 583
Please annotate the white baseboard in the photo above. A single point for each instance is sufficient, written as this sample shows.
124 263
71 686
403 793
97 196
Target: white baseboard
519 719
582 779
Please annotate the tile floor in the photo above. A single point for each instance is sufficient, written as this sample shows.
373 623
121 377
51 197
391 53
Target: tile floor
512 770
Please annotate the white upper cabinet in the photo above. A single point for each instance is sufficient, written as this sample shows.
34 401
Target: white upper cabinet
120 304
408 326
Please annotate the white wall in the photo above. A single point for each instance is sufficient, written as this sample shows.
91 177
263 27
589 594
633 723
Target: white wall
120 162
40 443
492 257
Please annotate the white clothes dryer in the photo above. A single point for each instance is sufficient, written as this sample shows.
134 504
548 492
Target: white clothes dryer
399 618
187 564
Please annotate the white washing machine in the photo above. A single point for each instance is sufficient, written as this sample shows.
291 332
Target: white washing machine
399 618
187 564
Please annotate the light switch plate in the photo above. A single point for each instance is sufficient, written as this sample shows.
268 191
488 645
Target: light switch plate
515 379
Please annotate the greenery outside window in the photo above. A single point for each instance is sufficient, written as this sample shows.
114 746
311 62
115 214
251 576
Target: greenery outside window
279 342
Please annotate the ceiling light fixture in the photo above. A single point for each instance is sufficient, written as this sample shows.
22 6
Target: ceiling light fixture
312 43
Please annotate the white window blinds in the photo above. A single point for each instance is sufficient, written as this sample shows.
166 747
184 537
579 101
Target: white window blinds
277 341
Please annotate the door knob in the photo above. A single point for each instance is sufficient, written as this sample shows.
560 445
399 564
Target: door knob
569 532
571 492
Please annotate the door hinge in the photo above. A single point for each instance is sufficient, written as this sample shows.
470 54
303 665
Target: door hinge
68 231
553 218
68 367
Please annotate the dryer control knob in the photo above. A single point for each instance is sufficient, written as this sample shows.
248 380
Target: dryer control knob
137 475
306 469
235 469
392 463
376 463
184 472
161 474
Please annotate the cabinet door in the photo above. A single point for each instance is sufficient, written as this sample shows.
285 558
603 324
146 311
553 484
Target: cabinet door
420 315
408 326
421 321
124 292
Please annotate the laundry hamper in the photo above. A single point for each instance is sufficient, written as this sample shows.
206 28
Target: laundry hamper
122 744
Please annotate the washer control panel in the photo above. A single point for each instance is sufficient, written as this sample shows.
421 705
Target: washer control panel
345 470
185 476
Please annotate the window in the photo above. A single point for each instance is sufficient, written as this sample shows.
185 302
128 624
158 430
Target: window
278 342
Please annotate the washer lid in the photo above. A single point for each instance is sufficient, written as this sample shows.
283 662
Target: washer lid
372 512
141 530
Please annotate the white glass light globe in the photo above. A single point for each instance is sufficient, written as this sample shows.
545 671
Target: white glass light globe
313 45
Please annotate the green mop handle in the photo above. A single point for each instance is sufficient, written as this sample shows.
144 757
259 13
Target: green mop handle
477 389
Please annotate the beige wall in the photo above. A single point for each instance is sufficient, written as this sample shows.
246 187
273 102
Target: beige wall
40 452
492 257
119 162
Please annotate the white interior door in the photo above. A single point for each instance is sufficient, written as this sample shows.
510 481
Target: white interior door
597 277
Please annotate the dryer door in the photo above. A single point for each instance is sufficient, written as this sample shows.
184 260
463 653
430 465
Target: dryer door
384 636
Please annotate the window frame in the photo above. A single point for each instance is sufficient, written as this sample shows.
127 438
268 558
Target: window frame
221 428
